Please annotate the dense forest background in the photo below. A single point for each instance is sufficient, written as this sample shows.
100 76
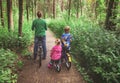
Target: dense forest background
95 25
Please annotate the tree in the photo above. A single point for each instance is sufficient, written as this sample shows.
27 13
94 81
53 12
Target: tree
9 14
1 14
54 9
62 5
27 9
48 7
35 9
44 8
77 9
109 24
69 8
81 6
20 17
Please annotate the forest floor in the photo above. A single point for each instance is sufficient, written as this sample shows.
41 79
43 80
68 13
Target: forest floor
30 72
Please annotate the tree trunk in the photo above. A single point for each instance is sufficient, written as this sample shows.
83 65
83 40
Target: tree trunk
35 4
20 17
108 22
27 9
9 14
77 10
54 9
32 9
62 5
106 2
96 6
69 8
1 14
44 8
114 15
48 8
81 6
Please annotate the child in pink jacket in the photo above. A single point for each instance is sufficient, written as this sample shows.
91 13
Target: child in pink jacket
55 52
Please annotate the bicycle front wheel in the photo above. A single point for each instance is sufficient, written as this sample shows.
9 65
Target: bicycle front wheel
68 61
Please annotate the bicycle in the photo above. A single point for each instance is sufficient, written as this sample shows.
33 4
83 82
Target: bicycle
40 51
56 64
67 57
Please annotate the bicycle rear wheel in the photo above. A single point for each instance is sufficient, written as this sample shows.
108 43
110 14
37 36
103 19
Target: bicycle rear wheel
40 58
58 68
40 62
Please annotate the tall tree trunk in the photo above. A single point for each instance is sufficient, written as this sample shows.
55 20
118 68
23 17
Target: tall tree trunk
15 3
114 15
27 9
108 21
9 14
20 17
77 10
48 8
81 6
69 8
1 14
62 5
96 6
54 9
35 4
32 9
106 2
44 8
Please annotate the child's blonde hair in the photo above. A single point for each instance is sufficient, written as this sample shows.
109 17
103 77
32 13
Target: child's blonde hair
67 29
57 41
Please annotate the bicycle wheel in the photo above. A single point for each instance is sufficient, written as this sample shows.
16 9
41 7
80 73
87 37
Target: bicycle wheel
40 60
69 57
57 67
68 61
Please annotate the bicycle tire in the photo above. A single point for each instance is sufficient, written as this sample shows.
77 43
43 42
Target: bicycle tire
68 65
40 61
40 58
68 61
58 68
69 57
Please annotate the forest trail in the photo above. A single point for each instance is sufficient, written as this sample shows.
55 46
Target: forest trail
32 74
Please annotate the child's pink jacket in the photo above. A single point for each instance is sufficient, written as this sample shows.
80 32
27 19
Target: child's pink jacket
56 52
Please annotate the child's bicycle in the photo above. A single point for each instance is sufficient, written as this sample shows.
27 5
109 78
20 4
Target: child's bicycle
56 64
67 57
40 51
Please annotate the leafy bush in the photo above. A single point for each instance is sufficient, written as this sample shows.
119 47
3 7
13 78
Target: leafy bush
57 26
7 60
12 41
98 51
95 49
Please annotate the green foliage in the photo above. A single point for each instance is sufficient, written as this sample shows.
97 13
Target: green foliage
12 41
57 26
20 64
7 60
95 49
82 70
26 52
99 50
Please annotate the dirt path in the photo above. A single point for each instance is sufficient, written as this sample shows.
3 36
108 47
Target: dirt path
32 74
